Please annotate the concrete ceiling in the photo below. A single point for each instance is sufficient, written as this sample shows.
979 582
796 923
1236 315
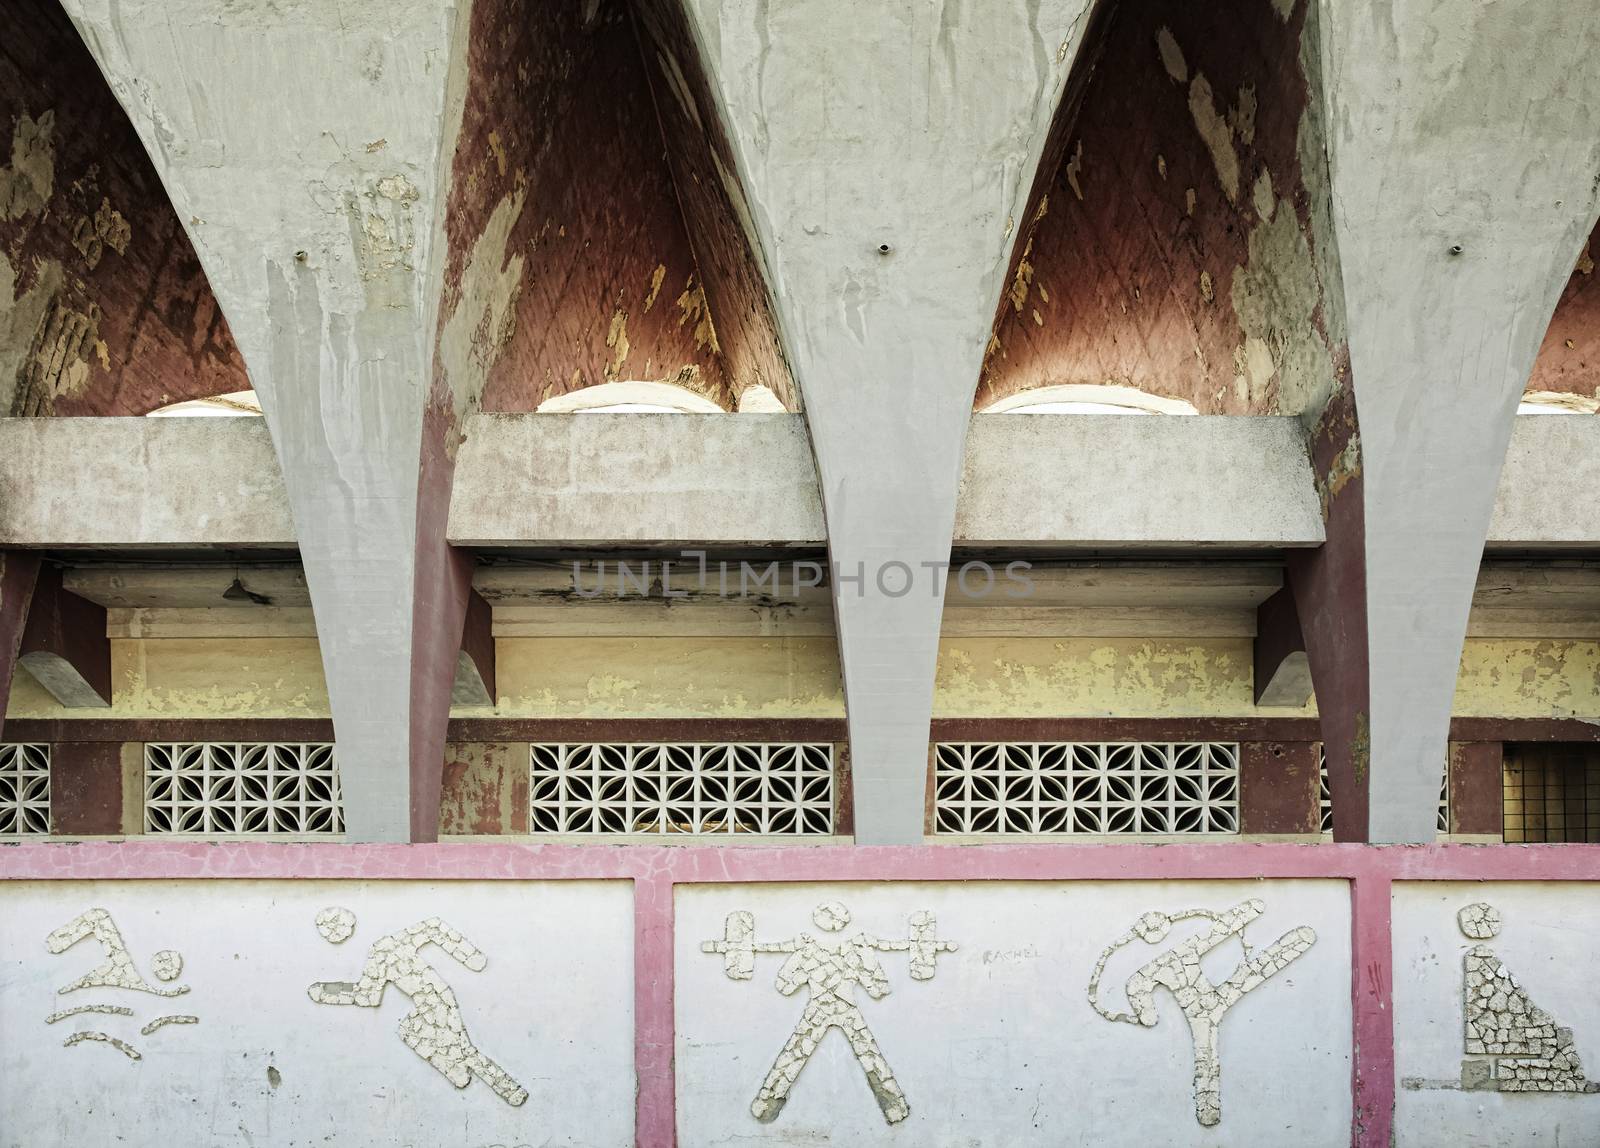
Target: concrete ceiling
104 307
1170 247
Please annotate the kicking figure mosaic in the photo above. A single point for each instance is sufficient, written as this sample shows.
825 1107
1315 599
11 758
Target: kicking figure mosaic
1204 1004
829 970
433 1029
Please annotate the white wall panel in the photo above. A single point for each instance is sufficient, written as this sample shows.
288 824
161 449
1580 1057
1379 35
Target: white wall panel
1549 943
1000 1046
266 1065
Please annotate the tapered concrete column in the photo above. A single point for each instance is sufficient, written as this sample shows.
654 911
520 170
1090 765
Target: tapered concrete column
1463 147
886 153
307 147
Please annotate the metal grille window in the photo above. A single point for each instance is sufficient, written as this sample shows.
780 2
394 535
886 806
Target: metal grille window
1086 788
1325 796
1551 794
24 790
260 789
779 789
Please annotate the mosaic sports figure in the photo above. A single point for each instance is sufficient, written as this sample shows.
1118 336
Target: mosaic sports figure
433 1029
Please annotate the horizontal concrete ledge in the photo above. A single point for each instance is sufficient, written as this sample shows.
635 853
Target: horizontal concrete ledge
1547 489
602 480
137 482
619 479
1148 481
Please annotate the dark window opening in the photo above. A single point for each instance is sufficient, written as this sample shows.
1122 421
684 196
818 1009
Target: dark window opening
1551 793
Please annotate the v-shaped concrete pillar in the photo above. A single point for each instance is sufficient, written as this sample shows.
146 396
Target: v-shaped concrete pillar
316 208
1463 147
886 153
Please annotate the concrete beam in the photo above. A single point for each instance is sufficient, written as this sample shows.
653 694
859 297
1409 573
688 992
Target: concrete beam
1462 145
620 479
142 483
317 210
1543 501
1147 481
64 644
748 481
19 570
887 273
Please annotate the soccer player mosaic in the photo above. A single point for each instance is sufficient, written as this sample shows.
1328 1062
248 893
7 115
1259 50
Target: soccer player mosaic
1511 1044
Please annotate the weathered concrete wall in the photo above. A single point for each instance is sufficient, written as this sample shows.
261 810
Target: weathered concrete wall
197 678
547 998
1529 677
730 480
104 308
733 677
669 677
485 789
1172 249
1542 501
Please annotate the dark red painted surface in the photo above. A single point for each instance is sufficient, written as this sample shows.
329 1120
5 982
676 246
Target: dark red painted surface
559 110
1106 284
477 639
85 788
1569 358
1278 635
1277 787
19 570
1330 589
71 628
1477 794
130 324
492 729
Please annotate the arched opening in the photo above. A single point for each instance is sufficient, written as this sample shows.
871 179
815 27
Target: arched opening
1087 399
239 404
631 398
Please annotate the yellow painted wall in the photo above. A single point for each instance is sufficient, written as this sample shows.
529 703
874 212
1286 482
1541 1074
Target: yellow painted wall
1096 677
799 677
667 677
1529 677
196 677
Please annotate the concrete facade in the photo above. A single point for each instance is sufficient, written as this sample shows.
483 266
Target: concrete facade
1020 532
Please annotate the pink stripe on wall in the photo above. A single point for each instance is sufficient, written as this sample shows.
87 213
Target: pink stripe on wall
655 1108
1371 989
656 869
